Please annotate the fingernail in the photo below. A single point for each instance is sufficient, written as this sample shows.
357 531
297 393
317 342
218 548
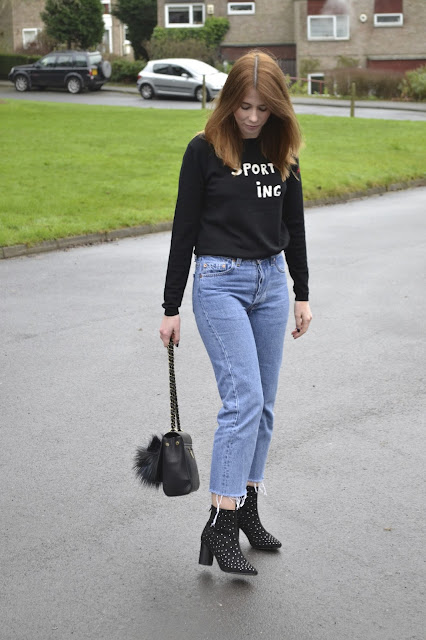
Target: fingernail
298 330
176 345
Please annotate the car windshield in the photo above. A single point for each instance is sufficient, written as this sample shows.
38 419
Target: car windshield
202 68
95 58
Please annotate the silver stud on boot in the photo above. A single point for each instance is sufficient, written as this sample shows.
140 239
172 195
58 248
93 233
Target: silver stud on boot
249 522
220 540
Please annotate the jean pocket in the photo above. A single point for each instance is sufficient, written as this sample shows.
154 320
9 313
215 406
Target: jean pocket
208 266
280 263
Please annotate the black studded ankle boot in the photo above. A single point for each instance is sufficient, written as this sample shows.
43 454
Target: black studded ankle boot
221 541
249 522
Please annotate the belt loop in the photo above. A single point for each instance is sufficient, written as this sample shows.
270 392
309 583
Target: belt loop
239 261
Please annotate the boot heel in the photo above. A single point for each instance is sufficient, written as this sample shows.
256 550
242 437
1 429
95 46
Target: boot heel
206 556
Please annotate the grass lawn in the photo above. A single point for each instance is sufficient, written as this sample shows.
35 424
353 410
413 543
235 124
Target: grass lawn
70 169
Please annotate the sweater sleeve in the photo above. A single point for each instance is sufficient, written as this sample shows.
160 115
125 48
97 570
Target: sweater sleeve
185 228
295 252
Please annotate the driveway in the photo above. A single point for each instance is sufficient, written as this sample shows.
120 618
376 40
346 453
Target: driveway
87 554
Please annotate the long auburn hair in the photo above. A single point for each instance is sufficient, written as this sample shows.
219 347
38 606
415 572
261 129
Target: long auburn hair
280 136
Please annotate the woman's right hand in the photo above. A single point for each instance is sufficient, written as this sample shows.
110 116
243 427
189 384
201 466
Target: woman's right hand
170 326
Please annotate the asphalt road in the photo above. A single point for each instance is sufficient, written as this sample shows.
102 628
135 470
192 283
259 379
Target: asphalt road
87 554
109 97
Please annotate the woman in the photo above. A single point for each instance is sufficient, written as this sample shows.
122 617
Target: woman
239 206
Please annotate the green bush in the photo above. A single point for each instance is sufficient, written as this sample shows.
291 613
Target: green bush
370 83
343 62
190 48
212 33
297 87
9 60
126 71
413 85
308 65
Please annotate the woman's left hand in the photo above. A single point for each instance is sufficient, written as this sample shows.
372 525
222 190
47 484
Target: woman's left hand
303 317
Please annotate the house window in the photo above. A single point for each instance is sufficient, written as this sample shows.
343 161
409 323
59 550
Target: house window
185 15
29 36
315 83
235 8
388 13
106 6
328 27
388 19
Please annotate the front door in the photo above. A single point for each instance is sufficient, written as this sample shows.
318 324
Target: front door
183 81
43 74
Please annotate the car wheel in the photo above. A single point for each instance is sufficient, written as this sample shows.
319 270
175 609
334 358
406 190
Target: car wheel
106 69
74 85
199 94
147 92
22 83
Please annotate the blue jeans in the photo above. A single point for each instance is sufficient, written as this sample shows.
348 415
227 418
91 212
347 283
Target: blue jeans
241 310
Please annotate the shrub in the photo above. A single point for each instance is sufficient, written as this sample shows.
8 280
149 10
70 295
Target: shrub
370 83
344 62
126 71
42 45
190 48
212 33
297 87
308 65
9 60
413 85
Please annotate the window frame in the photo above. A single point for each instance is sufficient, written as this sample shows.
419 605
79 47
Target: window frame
239 12
388 24
184 25
334 36
317 76
27 30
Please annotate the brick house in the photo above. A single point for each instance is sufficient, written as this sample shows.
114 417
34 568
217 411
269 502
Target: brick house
380 34
20 23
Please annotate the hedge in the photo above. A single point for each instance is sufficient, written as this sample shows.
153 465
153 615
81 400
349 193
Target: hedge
368 82
9 60
126 71
212 33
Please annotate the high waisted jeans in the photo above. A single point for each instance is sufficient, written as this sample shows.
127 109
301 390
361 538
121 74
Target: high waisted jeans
241 310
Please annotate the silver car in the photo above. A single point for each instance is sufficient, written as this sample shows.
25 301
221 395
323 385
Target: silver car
179 77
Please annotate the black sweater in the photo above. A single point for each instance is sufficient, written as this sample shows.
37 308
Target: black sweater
248 213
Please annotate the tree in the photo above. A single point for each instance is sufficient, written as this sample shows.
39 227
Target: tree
140 16
77 23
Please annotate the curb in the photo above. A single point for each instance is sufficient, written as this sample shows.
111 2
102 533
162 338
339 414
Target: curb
17 250
308 100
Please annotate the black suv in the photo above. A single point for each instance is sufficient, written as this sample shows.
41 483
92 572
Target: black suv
73 70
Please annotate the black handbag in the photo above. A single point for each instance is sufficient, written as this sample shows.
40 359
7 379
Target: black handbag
169 461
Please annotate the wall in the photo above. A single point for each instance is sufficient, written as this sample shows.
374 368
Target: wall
6 26
16 15
367 43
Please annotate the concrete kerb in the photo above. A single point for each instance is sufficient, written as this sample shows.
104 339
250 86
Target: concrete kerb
319 101
308 100
17 250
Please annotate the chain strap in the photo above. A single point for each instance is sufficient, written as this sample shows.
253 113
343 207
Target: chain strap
174 409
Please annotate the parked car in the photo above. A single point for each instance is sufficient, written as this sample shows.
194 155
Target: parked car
179 77
72 70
